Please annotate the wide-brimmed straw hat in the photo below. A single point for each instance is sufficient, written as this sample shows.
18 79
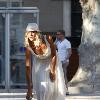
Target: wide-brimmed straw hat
32 27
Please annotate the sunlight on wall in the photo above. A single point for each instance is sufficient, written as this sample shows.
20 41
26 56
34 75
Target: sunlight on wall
88 25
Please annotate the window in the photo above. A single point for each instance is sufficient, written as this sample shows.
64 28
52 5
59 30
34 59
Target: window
10 3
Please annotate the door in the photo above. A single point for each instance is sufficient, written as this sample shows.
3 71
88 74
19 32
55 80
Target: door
12 59
2 49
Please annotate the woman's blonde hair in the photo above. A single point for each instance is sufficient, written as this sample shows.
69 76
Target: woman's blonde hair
26 38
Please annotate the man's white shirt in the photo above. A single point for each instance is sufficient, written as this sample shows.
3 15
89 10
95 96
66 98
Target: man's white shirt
63 47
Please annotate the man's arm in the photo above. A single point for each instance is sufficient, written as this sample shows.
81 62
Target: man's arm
69 50
69 53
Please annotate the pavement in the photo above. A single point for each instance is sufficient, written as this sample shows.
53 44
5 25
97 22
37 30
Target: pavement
21 96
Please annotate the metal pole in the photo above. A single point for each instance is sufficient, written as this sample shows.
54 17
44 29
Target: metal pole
38 18
7 52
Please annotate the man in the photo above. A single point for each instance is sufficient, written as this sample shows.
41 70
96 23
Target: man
64 52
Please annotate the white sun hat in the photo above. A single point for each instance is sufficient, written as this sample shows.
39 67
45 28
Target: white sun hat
32 27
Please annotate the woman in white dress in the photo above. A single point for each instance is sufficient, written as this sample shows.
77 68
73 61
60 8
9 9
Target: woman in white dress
46 71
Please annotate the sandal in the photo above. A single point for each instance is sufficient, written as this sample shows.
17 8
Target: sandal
29 97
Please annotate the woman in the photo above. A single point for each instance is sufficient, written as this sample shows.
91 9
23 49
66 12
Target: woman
47 74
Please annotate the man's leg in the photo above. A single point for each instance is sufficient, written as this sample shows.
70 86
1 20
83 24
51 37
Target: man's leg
64 66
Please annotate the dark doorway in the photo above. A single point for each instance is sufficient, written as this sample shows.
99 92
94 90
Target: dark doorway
76 18
73 64
76 32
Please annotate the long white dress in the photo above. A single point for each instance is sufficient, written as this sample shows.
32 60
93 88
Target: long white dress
45 89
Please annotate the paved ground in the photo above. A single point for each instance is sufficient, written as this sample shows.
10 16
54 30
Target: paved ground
15 95
21 96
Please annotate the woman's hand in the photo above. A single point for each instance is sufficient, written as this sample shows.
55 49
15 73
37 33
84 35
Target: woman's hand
29 95
52 75
31 44
49 39
39 50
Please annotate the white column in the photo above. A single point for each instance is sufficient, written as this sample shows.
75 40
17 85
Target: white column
67 17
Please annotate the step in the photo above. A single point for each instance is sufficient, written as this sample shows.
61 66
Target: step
92 96
83 98
21 96
13 96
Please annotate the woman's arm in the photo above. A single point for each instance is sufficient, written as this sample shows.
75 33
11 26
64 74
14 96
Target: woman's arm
28 72
53 57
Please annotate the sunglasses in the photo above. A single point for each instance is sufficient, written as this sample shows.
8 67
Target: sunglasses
58 34
34 31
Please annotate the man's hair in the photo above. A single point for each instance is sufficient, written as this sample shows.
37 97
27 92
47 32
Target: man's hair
62 32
